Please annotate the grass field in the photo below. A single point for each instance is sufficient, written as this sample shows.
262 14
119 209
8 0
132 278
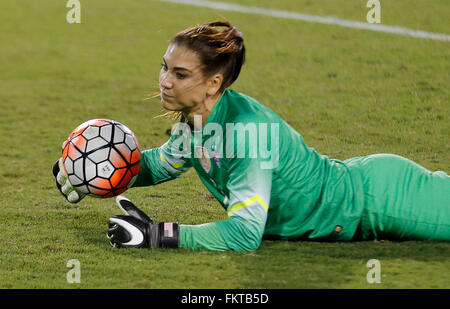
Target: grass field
348 92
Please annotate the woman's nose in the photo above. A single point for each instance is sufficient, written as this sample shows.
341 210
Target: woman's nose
165 81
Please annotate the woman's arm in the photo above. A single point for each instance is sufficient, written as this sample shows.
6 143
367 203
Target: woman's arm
249 186
164 163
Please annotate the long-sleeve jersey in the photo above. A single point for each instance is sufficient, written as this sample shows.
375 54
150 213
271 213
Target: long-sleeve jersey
262 173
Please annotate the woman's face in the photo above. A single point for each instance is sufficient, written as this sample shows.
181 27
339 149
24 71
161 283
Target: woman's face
182 83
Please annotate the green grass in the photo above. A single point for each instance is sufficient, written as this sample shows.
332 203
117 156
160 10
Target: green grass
348 92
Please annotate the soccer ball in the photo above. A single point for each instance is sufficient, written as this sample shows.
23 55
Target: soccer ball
102 158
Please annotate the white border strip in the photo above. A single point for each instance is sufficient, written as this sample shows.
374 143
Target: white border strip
315 19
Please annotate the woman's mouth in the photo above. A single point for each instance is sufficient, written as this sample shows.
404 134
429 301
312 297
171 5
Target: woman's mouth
166 96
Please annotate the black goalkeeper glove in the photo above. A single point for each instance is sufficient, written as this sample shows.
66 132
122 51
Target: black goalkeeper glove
137 230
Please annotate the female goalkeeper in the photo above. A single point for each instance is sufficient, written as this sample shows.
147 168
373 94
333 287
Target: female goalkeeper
261 171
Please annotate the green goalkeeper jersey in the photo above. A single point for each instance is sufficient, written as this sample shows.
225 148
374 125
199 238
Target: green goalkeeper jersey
262 173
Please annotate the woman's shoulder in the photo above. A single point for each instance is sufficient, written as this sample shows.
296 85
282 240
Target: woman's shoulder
240 97
244 108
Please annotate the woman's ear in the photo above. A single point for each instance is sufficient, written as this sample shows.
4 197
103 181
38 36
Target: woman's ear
214 84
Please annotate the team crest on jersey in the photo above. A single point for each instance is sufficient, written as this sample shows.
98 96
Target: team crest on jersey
216 156
203 156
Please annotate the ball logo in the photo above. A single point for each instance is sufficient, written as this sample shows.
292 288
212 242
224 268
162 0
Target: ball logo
105 169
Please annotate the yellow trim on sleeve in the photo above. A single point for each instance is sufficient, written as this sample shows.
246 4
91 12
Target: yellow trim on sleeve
255 199
174 165
162 157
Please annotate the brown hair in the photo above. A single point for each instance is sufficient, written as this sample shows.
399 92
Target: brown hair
220 47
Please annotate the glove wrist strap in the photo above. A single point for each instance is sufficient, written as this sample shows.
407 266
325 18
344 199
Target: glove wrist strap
168 234
164 235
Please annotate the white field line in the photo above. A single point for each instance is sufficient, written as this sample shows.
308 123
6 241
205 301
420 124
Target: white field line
315 19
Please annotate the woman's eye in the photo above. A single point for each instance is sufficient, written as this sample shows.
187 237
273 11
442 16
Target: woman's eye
164 66
180 76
